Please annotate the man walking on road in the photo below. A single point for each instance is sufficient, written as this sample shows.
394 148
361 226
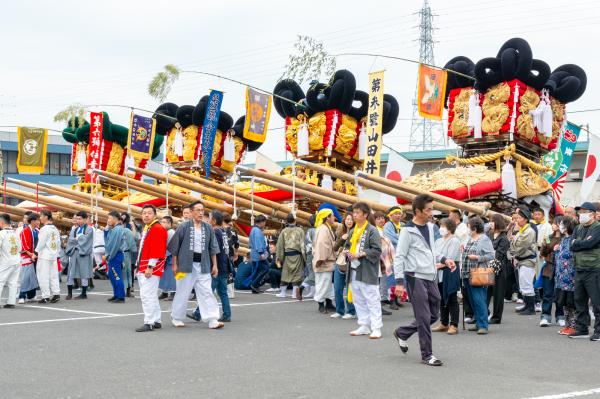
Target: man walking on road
414 268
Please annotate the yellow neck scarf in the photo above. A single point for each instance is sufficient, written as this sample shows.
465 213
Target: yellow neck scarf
522 229
356 235
398 226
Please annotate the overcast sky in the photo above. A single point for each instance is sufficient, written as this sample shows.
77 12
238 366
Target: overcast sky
56 53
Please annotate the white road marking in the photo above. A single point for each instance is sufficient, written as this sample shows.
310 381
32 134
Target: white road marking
71 310
569 394
101 315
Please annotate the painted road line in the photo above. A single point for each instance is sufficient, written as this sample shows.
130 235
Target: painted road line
574 394
71 310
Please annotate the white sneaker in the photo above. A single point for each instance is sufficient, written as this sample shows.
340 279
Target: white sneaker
544 323
280 295
468 320
489 317
177 323
272 289
362 330
215 324
538 307
336 316
519 301
562 322
519 308
21 301
349 316
376 334
514 297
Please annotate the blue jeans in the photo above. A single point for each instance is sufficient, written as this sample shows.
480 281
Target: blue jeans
339 283
219 283
478 299
548 299
262 268
115 274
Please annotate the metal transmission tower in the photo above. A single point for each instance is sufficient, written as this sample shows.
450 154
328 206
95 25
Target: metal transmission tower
425 134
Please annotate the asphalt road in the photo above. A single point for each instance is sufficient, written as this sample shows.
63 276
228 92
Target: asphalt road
274 348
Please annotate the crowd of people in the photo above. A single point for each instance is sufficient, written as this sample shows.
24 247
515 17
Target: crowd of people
360 265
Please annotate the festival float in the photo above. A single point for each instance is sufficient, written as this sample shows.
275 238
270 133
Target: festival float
504 113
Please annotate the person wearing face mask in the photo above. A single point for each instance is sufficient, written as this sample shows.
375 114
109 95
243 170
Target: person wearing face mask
564 275
586 250
497 233
448 247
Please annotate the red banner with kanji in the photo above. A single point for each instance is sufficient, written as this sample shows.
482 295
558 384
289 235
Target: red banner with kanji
95 146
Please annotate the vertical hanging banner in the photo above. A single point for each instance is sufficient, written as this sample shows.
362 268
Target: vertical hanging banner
140 143
372 163
33 142
592 168
95 146
560 159
258 111
209 127
432 86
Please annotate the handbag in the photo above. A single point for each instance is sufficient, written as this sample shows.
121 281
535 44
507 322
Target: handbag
342 261
496 264
482 276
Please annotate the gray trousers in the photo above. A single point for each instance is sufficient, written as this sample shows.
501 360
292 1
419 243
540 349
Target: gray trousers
425 300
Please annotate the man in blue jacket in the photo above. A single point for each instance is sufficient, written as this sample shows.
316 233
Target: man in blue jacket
259 252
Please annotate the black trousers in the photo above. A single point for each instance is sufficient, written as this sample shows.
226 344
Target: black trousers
512 282
497 292
274 277
466 300
587 287
449 312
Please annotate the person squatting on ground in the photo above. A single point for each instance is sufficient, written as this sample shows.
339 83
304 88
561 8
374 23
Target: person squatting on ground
415 270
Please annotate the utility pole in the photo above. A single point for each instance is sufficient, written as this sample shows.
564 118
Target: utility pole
425 134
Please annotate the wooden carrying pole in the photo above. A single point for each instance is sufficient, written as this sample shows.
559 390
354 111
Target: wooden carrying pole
83 198
53 202
304 193
243 203
440 205
239 194
349 199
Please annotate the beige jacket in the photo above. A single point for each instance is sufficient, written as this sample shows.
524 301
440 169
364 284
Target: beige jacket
323 249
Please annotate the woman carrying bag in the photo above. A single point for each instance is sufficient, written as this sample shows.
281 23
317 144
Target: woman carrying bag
501 244
477 254
343 308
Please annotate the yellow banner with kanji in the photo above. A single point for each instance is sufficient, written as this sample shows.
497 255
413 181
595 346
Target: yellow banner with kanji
432 86
33 143
372 163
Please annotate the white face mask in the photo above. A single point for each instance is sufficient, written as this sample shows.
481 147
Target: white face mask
585 217
562 229
443 231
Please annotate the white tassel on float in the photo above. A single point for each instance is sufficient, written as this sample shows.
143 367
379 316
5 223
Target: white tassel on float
178 143
475 115
81 158
129 163
229 149
513 117
362 143
326 182
509 180
303 141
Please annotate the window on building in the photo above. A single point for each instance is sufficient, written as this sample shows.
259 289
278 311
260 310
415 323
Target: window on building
54 161
65 164
9 161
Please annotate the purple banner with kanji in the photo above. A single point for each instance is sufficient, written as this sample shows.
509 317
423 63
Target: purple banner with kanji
209 127
141 136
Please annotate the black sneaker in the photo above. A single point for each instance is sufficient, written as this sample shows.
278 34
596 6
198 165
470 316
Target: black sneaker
119 300
157 326
55 299
44 300
579 334
401 343
111 299
595 337
255 290
144 328
432 361
9 306
192 316
225 320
